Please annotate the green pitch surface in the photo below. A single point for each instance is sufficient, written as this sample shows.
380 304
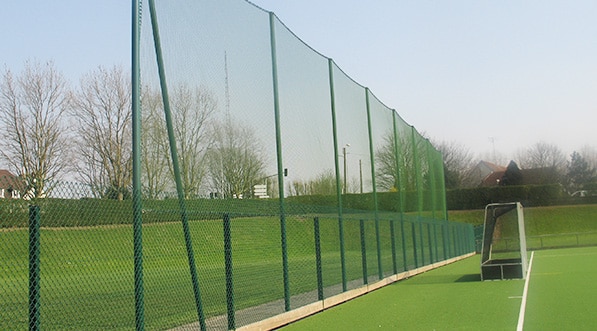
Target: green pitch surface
562 290
561 294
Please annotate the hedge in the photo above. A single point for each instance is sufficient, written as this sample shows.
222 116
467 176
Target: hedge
92 212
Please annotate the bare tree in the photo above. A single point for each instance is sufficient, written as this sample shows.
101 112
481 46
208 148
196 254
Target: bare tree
323 184
192 111
394 165
385 159
458 162
589 153
236 160
543 155
31 109
154 145
102 110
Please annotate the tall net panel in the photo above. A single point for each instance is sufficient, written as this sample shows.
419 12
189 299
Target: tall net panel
349 189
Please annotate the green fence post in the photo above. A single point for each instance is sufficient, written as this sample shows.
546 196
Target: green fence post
175 166
364 252
467 239
419 187
279 161
393 238
404 259
414 235
437 258
446 238
34 323
455 238
228 266
460 240
429 243
338 176
470 238
375 203
422 241
136 141
318 258
453 248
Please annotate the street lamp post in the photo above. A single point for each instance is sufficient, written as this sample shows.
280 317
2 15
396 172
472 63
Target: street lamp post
345 176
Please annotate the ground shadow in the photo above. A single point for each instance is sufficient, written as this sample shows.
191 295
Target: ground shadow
442 279
469 278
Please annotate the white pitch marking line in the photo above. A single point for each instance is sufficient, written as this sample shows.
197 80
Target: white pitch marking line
523 304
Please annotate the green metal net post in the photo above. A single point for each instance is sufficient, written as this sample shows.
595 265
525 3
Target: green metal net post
393 242
398 154
373 184
318 267
176 167
338 180
136 140
229 277
34 251
403 237
279 160
363 251
419 188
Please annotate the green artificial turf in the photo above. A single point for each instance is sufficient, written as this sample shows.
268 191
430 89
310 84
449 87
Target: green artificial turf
448 298
560 296
562 290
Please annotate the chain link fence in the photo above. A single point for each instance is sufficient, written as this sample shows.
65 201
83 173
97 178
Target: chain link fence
67 259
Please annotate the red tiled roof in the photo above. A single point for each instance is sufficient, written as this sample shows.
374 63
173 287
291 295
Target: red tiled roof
492 166
8 180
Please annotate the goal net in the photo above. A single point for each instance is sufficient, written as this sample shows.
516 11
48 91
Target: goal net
504 252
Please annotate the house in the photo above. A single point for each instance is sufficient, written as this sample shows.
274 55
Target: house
486 174
10 185
497 175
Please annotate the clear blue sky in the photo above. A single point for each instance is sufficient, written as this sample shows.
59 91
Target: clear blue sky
466 71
